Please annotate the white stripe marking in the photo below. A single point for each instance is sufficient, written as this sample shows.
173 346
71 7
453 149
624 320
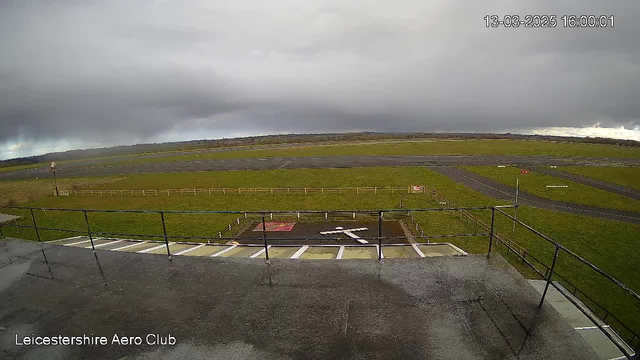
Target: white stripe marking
417 249
71 238
224 251
153 248
340 253
105 244
458 249
589 327
190 249
259 252
76 243
128 246
299 252
379 251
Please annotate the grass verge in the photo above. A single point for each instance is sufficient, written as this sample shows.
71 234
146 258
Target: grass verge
536 184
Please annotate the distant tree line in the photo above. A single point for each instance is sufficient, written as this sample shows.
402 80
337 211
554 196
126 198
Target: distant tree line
288 139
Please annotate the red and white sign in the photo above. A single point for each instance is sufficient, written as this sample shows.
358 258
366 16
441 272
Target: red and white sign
275 226
417 189
524 171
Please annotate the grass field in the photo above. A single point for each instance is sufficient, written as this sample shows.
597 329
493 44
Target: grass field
536 184
425 147
21 191
611 245
380 147
625 176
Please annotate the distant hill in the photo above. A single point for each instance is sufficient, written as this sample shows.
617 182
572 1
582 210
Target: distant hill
289 138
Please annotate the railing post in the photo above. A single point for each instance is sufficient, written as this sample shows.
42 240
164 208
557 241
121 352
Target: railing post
35 226
550 277
164 231
86 220
1 234
493 217
264 237
379 235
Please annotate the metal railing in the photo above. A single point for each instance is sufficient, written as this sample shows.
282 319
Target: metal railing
254 190
379 214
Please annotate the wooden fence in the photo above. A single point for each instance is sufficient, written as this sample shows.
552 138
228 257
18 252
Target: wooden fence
273 191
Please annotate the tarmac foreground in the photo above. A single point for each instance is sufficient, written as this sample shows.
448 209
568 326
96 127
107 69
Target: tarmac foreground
428 308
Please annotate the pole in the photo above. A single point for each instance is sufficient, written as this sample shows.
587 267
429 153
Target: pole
86 219
515 210
549 277
35 226
379 236
55 183
164 231
264 238
493 217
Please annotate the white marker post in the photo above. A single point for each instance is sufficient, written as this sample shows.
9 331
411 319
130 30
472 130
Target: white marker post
348 232
515 210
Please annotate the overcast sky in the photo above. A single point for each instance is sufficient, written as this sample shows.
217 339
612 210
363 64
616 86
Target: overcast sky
96 73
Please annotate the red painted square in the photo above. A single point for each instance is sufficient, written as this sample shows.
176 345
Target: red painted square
275 226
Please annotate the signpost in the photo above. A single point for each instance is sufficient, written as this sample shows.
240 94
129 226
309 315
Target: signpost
52 168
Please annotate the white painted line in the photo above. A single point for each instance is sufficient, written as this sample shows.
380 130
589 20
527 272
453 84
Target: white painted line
128 246
76 243
153 248
589 327
340 252
458 249
417 249
299 252
224 251
105 244
71 238
190 249
259 252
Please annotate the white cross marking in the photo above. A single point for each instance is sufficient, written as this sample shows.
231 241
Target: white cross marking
348 232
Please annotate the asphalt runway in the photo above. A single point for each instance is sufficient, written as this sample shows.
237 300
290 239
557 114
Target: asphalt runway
80 169
500 191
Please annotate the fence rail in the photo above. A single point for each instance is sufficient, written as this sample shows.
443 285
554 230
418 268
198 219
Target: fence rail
548 275
254 190
549 271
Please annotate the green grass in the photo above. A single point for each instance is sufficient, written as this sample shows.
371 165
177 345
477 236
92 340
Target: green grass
419 147
625 176
536 184
613 246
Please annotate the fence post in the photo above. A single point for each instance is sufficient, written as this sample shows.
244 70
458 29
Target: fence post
86 220
379 235
1 234
34 225
164 231
224 191
493 216
550 277
264 237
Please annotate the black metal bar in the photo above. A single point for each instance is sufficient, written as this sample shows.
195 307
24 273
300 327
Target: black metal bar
379 235
35 226
493 217
86 219
550 277
257 213
264 238
580 258
164 231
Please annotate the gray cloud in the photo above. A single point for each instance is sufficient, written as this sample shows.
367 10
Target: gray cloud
108 72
